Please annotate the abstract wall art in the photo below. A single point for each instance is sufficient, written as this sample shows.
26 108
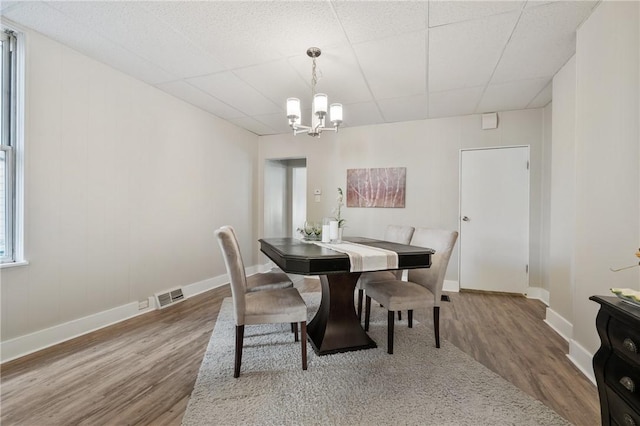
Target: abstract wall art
379 187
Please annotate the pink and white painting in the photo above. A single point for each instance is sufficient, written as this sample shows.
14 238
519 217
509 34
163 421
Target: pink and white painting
382 187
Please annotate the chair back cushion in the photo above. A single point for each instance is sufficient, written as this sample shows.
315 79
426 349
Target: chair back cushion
235 269
398 234
442 241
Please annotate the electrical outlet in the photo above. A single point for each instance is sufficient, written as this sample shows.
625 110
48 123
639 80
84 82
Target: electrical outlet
143 304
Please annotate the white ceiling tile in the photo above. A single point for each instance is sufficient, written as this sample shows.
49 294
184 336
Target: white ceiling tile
234 92
395 66
454 102
277 80
447 12
361 114
544 39
247 33
240 60
510 96
365 21
132 26
465 54
277 122
339 75
543 98
82 38
253 126
404 109
197 97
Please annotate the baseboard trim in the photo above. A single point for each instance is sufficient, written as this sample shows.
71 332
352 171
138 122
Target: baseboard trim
29 343
582 359
452 286
538 293
559 324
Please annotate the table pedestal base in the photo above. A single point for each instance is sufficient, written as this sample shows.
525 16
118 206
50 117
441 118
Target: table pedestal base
335 327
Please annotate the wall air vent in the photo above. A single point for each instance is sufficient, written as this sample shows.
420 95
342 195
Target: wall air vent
169 298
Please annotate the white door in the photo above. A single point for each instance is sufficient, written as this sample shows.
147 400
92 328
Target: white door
494 219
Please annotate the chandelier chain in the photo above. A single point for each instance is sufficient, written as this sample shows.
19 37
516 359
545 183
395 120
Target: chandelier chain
314 79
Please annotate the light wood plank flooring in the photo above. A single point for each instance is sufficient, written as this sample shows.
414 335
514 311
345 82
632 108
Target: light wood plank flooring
142 371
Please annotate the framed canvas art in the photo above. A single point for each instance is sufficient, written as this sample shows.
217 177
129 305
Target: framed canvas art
378 187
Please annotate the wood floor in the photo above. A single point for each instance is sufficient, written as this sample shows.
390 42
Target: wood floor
142 371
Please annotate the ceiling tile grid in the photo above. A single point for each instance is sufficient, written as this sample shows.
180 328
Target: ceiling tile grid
385 61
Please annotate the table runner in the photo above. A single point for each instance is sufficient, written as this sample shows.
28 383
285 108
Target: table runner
365 258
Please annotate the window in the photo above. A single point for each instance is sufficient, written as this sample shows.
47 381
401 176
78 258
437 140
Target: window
10 155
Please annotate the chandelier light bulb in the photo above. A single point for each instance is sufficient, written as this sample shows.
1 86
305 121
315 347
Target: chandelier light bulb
335 113
293 108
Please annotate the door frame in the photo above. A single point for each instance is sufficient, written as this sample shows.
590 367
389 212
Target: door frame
461 236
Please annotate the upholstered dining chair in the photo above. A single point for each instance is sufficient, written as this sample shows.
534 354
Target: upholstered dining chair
271 306
423 286
266 280
394 234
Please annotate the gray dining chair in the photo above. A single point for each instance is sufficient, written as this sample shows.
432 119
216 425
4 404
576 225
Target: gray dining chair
266 280
424 285
271 306
394 234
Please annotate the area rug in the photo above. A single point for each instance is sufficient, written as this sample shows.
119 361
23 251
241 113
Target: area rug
417 385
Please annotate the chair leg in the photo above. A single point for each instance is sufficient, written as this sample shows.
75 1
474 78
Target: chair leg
360 294
390 321
436 324
303 332
367 313
293 329
238 360
294 325
399 315
410 318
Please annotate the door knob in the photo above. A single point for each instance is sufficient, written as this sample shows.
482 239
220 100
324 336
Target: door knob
465 218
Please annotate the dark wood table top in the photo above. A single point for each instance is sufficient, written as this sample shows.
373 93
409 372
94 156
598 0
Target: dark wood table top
306 258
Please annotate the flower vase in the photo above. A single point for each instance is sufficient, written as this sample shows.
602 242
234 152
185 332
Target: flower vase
339 239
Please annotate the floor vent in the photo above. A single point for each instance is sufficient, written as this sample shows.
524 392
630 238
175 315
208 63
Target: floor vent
169 298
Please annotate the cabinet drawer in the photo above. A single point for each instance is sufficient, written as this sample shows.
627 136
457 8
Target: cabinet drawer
625 379
625 339
620 412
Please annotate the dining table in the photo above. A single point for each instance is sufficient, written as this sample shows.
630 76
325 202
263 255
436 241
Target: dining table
336 327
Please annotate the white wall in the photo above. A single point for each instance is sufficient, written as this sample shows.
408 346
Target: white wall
595 202
429 149
562 207
124 187
607 159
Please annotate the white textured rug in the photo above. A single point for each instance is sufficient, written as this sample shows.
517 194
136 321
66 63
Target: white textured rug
418 384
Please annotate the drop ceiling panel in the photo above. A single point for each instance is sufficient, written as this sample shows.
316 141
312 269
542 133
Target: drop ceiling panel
234 92
339 75
512 95
197 97
454 102
380 19
279 122
543 41
447 12
131 26
65 30
240 60
276 80
396 66
465 54
404 109
543 98
364 112
253 125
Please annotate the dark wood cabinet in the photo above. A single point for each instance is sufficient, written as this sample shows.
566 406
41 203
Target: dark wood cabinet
617 363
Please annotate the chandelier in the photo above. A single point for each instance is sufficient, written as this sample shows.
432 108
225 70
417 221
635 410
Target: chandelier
318 107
